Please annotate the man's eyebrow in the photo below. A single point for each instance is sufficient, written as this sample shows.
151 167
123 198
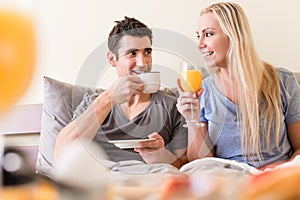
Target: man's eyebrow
125 52
130 50
133 49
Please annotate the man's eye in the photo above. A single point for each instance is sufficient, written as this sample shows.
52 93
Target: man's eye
132 53
148 52
198 37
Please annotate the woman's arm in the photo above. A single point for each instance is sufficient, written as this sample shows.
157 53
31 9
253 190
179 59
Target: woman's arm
199 144
294 137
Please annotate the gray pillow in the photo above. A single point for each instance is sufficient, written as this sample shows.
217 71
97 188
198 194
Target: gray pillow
60 100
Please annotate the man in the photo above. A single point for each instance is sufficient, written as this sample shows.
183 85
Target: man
124 111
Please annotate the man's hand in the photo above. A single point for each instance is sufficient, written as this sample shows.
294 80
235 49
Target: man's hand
151 150
126 86
154 151
151 146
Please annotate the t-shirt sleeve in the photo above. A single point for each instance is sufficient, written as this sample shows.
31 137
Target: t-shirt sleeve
179 140
84 104
290 91
202 104
179 133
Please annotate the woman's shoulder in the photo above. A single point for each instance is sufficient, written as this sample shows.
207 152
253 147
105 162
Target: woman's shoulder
284 73
208 81
286 76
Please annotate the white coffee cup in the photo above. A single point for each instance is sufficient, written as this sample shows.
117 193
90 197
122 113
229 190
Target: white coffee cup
151 81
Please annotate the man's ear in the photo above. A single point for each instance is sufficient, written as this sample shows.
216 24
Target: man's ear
111 58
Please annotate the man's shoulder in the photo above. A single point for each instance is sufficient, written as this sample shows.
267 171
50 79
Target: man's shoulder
166 98
169 93
86 101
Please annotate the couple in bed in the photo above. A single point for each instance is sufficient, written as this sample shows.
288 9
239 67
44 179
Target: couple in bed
234 101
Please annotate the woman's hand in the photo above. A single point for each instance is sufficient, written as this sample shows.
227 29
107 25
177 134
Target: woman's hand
187 101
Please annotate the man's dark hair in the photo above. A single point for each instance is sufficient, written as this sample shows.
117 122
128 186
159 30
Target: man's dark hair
127 26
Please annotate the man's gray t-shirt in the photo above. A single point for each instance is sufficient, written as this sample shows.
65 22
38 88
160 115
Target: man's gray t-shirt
160 116
221 115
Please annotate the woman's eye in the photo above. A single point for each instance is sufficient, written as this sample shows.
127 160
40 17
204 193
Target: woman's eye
198 37
208 34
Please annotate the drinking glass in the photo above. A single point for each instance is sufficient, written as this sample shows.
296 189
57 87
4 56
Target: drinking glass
17 56
191 81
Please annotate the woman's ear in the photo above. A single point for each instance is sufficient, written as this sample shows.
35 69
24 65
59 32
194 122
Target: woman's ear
111 58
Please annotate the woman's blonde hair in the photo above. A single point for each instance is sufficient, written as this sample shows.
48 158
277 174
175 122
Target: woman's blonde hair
257 82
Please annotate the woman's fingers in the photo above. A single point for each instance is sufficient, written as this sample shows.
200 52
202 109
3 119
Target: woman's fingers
179 86
200 92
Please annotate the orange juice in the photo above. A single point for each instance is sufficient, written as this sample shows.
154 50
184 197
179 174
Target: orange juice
17 51
191 80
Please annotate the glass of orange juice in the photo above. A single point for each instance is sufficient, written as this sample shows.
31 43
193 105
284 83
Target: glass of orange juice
191 81
17 54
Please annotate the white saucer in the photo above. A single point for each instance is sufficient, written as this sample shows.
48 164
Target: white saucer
129 144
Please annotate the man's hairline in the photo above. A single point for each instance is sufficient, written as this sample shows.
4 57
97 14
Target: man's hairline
118 53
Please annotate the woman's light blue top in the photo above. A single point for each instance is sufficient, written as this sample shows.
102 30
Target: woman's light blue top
221 115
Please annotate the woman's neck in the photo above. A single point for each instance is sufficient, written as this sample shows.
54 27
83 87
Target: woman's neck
226 85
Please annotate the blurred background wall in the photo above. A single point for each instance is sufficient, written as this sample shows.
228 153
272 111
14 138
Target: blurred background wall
68 31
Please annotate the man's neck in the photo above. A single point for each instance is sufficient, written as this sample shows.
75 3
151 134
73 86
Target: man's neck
137 99
136 105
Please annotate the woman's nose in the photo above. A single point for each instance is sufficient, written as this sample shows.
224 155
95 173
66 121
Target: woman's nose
201 43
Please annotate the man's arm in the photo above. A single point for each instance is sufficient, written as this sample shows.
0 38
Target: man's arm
86 125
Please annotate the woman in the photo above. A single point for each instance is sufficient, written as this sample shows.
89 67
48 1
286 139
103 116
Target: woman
250 109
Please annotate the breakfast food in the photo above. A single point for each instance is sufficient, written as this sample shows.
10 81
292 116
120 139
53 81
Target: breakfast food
178 187
282 183
39 190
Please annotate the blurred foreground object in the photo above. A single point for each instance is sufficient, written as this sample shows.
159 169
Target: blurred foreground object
17 53
80 167
282 183
40 189
20 183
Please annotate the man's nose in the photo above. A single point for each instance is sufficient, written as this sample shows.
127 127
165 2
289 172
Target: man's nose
140 59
